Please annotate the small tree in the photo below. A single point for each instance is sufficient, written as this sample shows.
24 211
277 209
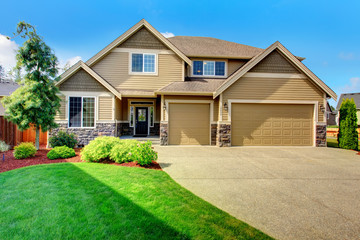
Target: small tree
35 102
348 134
2 73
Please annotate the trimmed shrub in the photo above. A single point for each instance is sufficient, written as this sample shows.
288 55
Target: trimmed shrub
124 152
61 152
24 150
4 147
145 154
348 134
63 139
99 149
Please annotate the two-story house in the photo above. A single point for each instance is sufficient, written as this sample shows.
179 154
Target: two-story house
194 90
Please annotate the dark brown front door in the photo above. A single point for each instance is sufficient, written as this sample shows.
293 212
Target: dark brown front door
141 121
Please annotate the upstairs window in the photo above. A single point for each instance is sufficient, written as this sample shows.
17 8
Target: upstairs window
143 63
208 68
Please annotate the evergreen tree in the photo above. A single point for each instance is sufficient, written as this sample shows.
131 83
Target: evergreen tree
35 102
348 134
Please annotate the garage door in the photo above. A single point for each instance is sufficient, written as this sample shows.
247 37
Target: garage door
189 124
271 125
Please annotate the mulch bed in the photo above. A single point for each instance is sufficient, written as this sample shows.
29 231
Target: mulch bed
11 163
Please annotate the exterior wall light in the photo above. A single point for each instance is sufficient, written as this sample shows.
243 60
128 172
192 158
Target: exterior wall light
225 106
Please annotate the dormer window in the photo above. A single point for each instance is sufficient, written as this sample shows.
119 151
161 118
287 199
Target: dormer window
209 68
143 63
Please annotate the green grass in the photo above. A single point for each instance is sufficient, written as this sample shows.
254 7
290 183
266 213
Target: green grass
332 142
98 201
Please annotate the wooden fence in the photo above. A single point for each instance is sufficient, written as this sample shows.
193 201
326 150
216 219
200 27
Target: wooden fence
333 132
9 132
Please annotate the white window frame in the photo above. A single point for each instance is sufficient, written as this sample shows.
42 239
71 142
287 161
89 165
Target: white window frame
131 123
143 73
149 116
215 76
82 100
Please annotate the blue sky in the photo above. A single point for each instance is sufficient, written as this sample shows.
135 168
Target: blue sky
326 33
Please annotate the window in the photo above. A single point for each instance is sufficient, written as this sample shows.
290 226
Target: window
208 68
131 116
81 112
151 116
143 63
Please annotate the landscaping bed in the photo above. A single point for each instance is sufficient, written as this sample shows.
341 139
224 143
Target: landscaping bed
40 157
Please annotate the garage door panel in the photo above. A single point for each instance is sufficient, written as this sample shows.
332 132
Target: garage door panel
189 124
272 124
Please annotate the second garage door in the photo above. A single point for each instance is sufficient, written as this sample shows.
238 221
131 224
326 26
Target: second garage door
271 124
189 124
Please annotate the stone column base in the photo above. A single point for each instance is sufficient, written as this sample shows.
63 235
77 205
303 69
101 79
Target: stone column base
223 135
321 136
164 134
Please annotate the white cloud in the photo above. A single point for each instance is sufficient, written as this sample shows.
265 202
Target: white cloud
353 86
68 63
346 56
168 34
7 52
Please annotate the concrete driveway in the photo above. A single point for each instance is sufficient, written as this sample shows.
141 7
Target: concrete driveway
288 193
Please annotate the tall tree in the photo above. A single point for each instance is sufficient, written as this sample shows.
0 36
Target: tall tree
35 102
2 73
348 134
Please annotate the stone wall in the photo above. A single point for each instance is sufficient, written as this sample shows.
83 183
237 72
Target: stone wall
223 135
164 134
214 127
85 135
155 131
124 129
321 136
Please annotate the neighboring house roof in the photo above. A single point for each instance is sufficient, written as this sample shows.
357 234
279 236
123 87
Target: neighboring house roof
129 33
81 64
198 86
213 47
355 96
6 88
255 60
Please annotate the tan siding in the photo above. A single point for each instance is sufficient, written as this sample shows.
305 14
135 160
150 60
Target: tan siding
143 39
105 108
216 109
275 62
62 114
125 109
82 81
115 69
118 109
273 89
234 64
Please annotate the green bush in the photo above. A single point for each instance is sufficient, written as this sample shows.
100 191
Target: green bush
4 147
63 139
99 149
145 154
123 152
24 150
61 152
119 151
348 134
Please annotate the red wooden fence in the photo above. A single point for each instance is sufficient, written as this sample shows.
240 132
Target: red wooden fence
9 132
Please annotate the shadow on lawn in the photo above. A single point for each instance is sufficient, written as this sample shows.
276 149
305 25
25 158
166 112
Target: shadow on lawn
68 203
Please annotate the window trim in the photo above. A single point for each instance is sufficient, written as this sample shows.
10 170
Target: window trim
155 73
82 121
210 60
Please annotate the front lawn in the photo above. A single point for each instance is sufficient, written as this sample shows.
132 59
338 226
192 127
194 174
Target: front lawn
98 201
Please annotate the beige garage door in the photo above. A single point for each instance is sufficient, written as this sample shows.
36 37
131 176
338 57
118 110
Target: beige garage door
189 124
271 125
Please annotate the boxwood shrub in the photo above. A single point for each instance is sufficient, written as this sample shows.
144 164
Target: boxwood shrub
99 149
63 139
119 151
61 152
24 150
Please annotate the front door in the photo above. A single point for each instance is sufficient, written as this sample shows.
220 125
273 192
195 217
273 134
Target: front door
141 121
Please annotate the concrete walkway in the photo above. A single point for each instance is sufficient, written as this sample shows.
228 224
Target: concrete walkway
288 193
